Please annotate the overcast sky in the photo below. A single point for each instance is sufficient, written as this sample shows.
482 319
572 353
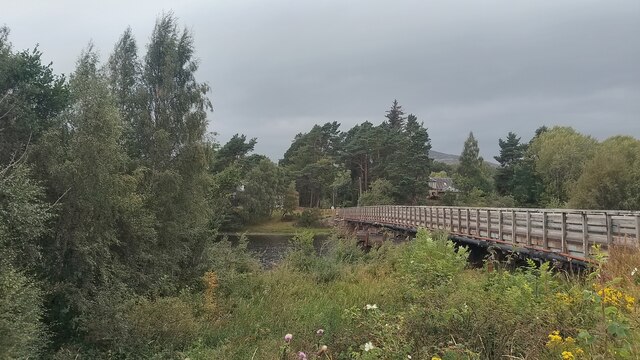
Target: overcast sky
278 67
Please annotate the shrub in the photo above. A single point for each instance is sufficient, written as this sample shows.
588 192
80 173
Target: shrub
310 217
430 262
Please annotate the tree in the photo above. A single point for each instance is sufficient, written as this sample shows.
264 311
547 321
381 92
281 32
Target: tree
408 166
313 159
290 201
24 216
124 72
611 179
31 97
511 154
360 143
560 154
381 193
470 171
176 104
395 116
85 171
264 190
176 153
22 333
233 151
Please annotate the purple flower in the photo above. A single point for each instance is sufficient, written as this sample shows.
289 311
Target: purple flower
302 356
287 338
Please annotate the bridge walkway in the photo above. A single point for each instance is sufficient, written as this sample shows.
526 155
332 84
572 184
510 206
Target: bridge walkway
567 234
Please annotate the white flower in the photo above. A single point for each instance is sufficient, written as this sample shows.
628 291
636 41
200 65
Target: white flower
368 346
371 307
635 270
408 356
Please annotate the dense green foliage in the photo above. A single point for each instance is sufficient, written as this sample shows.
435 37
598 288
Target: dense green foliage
420 299
334 168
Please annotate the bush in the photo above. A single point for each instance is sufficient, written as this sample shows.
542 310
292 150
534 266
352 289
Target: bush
310 217
431 262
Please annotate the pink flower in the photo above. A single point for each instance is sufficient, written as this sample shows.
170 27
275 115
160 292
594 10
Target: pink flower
302 356
287 338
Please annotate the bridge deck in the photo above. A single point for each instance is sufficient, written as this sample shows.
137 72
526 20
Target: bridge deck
568 233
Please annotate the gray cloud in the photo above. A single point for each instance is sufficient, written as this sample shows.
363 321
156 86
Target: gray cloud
278 67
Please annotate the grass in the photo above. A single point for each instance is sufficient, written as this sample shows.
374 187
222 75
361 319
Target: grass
275 225
428 305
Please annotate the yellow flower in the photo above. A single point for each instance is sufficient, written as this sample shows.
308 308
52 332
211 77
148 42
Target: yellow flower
436 357
554 339
569 340
630 300
567 355
564 298
579 351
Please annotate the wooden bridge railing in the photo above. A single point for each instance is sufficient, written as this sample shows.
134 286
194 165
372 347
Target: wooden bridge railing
571 233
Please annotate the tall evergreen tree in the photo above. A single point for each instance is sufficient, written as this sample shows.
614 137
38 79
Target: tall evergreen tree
409 166
312 159
470 172
511 154
395 116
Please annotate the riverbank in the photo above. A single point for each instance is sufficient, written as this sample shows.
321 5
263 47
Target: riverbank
420 300
276 226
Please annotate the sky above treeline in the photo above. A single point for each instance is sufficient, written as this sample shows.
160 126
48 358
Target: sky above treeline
278 67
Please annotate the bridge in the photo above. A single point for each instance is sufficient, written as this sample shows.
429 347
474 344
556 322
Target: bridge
557 234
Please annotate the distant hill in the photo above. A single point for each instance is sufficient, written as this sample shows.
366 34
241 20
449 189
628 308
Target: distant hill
451 159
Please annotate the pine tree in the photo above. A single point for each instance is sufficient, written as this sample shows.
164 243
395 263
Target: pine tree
511 154
470 169
395 116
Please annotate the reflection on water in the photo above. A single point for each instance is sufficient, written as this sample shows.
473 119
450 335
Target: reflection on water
272 248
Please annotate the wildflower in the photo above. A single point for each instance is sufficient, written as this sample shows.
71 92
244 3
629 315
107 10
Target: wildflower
302 356
554 339
610 296
630 301
436 357
408 356
579 351
323 349
634 271
320 332
569 340
368 346
567 355
371 307
564 298
287 338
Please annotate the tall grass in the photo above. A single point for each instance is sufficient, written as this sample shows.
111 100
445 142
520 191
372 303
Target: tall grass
417 299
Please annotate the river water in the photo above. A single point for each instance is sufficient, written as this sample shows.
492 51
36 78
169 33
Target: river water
271 248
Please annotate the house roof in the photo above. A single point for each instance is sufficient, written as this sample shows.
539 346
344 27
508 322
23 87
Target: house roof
441 184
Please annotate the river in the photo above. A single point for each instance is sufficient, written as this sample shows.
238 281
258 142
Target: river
271 248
